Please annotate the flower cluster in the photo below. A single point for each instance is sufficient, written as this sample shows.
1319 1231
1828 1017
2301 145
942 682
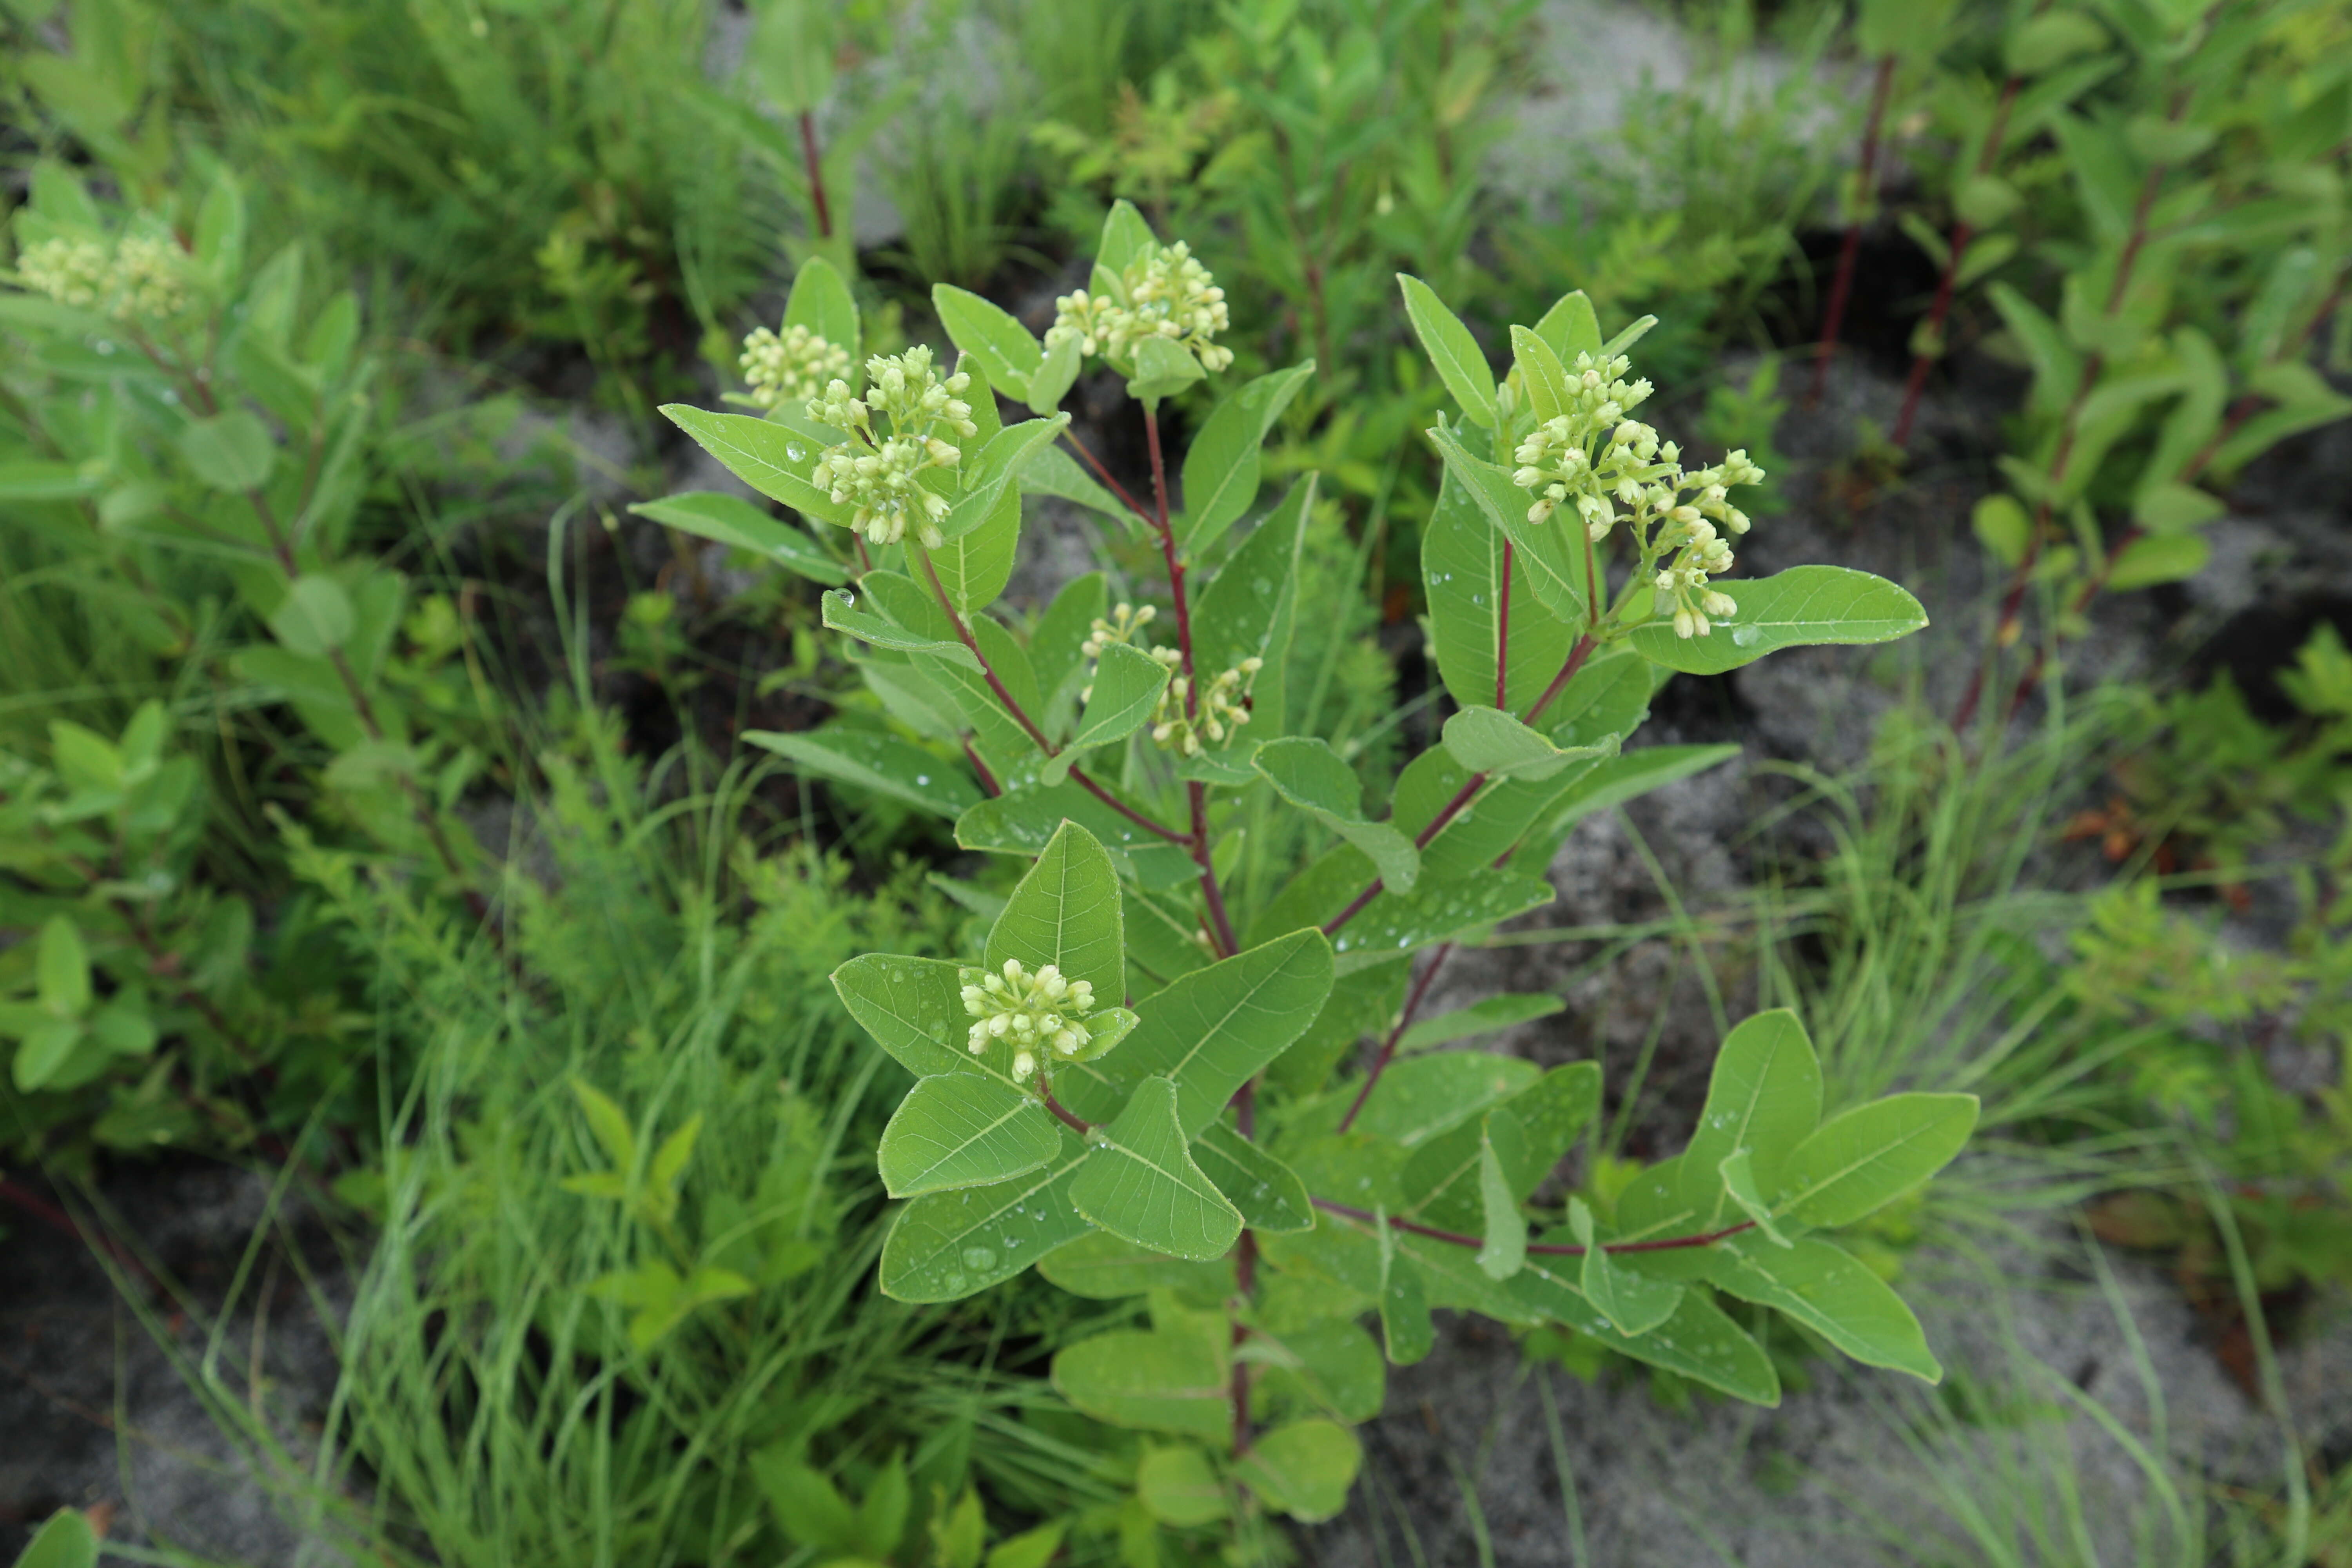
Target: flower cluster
1224 707
1598 460
1035 1013
796 364
881 472
1126 621
141 277
1164 293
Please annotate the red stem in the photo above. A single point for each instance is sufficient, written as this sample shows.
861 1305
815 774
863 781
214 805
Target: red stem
1389 1045
2013 605
1576 657
1245 1285
1104 474
1085 781
1954 250
1061 1110
816 175
1210 895
1542 1249
1867 187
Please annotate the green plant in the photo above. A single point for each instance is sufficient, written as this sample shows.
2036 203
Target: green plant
2162 269
67 1540
1141 1091
185 448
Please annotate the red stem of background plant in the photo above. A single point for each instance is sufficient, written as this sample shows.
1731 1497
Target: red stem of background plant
1957 247
1389 1045
1866 188
1104 474
815 175
2012 604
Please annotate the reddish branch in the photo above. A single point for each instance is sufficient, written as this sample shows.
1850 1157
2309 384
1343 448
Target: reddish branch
1931 345
815 175
1866 189
2020 577
1389 1045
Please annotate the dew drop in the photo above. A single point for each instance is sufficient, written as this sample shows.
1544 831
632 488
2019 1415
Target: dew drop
102 346
1745 637
796 451
953 1283
979 1260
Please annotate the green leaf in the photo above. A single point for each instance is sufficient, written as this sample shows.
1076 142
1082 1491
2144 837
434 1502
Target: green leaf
1163 368
1738 1180
1490 741
822 302
1022 821
1309 774
807 1507
1485 1018
1571 327
1221 470
1432 912
1105 1268
2155 558
987 475
1610 782
61 969
1801 606
765 454
610 1125
913 1007
1698 1342
1049 471
1141 1182
1159 1382
735 522
1248 608
24 481
44 1052
1502 1250
670 1159
1824 1286
1553 553
1213 1030
316 618
1406 1331
840 616
1127 686
1057 643
1268 1193
1302 1469
1065 911
1861 1158
1632 334
882 1517
1633 1303
1052 380
1462 575
974 567
1542 377
67 1540
1419 1098
232 451
1178 1486
1030 1549
883 764
1125 237
1764 1096
964 1129
1452 352
946 1246
1005 349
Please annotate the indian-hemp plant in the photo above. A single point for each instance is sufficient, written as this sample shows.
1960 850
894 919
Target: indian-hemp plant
1145 1087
